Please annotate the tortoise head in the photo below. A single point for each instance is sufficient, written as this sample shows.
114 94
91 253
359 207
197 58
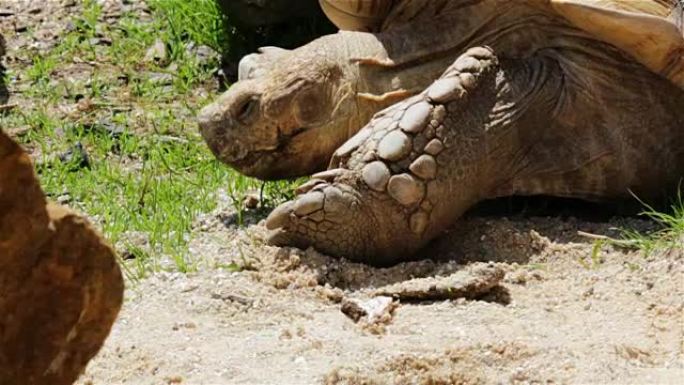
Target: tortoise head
285 122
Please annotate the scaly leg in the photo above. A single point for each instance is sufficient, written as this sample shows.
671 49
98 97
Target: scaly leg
409 174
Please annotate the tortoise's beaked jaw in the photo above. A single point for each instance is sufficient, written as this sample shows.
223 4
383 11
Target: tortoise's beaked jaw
224 124
264 127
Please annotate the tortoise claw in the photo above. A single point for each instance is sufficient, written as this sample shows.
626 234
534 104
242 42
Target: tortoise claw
280 217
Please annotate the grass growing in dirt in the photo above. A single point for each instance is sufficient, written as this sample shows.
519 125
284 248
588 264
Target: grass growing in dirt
670 233
113 131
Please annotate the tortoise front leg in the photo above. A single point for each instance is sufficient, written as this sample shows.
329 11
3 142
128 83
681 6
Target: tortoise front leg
410 173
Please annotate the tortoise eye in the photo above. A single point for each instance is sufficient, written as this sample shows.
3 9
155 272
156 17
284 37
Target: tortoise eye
247 109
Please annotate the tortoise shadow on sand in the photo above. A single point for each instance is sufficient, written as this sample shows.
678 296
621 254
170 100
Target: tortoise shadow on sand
515 229
510 231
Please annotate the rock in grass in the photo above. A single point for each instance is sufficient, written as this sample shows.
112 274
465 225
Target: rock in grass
76 156
61 285
157 53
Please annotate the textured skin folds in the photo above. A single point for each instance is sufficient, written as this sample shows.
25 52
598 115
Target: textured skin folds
402 210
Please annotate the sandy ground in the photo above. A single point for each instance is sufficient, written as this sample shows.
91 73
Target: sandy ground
559 316
567 311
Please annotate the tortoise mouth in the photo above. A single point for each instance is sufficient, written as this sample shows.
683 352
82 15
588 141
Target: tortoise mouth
252 158
263 163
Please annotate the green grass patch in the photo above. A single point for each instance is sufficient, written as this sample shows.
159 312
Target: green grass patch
670 233
200 21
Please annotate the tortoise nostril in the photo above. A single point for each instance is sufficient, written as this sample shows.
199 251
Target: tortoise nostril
213 118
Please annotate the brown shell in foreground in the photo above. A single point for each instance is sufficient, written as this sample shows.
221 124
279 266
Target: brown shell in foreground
60 281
